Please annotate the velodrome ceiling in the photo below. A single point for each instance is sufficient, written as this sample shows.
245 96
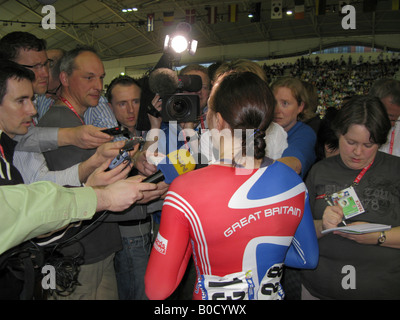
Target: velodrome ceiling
115 34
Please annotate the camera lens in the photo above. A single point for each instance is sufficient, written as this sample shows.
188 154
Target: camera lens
180 108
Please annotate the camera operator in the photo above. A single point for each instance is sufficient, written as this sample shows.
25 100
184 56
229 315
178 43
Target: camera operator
203 93
181 117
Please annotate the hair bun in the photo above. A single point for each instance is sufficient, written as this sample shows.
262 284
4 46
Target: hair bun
259 144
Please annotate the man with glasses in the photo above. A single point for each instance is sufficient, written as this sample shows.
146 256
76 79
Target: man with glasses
39 65
27 50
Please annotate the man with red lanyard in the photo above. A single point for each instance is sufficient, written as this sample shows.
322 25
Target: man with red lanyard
388 91
30 52
81 76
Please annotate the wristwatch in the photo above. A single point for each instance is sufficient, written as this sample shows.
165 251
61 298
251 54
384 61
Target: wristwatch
382 238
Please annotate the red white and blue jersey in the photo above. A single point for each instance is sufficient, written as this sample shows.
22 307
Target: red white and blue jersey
240 226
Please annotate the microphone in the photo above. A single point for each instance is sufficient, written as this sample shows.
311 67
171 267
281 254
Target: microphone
164 81
173 165
190 82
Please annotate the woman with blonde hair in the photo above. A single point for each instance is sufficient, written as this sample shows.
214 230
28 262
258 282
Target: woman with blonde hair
292 106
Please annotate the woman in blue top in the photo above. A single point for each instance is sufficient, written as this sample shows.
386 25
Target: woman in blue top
291 97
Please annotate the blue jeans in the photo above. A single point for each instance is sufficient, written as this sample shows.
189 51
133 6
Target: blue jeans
130 267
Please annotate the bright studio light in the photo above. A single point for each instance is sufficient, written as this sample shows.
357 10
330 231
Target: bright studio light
180 41
180 44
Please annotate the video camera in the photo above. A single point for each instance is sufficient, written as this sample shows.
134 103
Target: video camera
176 105
183 107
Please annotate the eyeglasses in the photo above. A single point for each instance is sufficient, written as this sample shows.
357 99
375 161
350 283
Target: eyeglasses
48 63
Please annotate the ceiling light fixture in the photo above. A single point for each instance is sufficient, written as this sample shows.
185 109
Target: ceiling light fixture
126 10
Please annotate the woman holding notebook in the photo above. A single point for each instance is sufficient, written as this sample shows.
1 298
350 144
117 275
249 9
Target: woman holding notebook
360 185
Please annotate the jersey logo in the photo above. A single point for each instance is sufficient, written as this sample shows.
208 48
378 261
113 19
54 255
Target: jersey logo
160 244
261 190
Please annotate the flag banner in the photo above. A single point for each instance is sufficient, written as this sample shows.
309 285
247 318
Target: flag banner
299 9
276 9
320 7
168 19
190 16
233 13
150 22
212 15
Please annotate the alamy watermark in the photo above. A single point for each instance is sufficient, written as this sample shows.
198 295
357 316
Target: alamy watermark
349 280
349 20
49 277
236 145
49 20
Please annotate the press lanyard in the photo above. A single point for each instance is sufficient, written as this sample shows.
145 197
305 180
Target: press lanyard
3 156
2 152
361 174
70 106
202 122
392 141
355 182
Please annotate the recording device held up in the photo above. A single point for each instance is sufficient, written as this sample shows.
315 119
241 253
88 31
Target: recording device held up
124 152
116 131
176 105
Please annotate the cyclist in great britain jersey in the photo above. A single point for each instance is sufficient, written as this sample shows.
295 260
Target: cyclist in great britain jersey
241 218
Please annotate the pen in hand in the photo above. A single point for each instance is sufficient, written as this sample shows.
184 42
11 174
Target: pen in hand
331 204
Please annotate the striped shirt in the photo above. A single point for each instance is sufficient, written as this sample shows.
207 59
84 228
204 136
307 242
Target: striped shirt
32 165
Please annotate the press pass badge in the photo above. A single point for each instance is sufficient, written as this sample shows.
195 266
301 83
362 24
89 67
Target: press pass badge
349 201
